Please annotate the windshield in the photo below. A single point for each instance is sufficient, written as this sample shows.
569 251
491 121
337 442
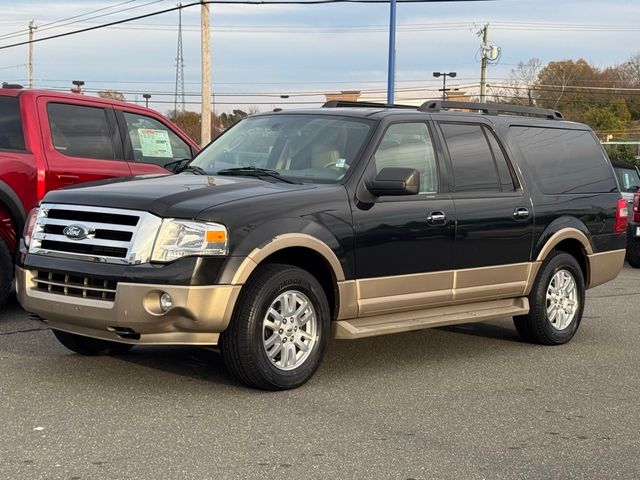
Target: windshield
310 148
628 178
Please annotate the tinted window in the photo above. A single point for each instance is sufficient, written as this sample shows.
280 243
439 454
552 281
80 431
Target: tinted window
79 131
11 136
474 169
565 161
154 142
409 145
506 179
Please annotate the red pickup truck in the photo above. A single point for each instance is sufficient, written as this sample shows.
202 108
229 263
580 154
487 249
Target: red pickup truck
50 140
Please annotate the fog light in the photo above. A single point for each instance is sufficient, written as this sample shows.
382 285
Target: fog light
166 302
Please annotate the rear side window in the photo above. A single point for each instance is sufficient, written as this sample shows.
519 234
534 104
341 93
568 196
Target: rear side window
565 161
11 136
474 167
79 131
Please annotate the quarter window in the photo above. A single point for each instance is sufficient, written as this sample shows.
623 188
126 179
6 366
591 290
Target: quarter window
11 136
409 145
154 142
80 131
474 167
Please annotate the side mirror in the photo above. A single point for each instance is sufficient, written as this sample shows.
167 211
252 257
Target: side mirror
395 181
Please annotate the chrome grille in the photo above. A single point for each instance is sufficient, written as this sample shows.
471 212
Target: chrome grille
103 234
75 285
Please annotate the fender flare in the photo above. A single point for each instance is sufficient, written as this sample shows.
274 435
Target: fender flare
9 198
280 242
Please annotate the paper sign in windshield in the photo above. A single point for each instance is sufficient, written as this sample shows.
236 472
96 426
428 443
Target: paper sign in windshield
155 143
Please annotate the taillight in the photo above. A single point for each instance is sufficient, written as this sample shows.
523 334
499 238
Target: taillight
29 225
636 207
622 216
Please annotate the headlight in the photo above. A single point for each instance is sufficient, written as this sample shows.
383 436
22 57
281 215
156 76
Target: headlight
29 226
181 238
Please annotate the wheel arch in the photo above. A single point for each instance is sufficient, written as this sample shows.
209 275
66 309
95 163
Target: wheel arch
571 240
12 216
303 251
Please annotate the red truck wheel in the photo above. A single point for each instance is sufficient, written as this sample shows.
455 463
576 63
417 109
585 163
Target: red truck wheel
6 273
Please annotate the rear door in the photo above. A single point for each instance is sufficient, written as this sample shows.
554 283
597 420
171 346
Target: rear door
150 145
494 232
81 142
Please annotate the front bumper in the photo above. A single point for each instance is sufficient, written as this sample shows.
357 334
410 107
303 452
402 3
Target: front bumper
198 316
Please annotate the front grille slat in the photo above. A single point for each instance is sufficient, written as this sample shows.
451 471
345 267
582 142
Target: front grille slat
70 285
94 234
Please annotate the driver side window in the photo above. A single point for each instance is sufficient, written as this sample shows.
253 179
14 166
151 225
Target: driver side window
409 145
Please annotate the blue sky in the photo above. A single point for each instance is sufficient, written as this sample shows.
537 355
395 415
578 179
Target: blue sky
296 50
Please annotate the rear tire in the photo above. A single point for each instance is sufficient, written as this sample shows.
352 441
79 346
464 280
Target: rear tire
279 330
556 302
633 251
90 346
6 273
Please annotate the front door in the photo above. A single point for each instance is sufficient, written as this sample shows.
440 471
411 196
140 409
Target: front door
404 244
81 143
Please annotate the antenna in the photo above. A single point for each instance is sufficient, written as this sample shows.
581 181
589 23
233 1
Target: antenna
178 102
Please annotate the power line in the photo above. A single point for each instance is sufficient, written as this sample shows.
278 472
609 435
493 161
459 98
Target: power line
48 26
224 2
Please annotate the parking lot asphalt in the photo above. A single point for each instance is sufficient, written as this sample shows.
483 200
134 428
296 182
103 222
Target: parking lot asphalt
464 402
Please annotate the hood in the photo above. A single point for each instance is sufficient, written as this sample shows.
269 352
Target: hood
179 196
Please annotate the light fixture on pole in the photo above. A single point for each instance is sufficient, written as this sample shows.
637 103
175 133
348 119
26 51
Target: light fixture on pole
77 86
146 97
444 76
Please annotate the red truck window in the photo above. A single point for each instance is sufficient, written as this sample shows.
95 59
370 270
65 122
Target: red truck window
80 131
11 136
153 142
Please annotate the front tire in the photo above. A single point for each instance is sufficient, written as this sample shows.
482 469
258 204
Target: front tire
633 251
279 330
6 273
90 346
556 302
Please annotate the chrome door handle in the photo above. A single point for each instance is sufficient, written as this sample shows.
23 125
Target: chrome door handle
521 213
436 218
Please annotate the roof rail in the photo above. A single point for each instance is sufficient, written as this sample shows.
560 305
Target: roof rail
348 103
491 108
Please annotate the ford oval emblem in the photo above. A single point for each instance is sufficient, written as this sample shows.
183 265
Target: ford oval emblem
76 232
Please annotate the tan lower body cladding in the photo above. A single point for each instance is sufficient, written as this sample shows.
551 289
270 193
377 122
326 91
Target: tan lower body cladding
377 306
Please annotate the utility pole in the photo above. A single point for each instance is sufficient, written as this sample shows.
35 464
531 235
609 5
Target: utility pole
205 33
32 27
483 72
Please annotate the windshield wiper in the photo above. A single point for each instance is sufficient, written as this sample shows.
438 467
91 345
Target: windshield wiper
193 168
255 172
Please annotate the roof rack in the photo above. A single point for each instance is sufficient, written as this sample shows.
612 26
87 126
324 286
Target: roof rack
491 108
348 103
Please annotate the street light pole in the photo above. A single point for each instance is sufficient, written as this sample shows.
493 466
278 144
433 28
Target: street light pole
444 76
146 97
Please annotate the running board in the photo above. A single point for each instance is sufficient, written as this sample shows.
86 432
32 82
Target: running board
429 318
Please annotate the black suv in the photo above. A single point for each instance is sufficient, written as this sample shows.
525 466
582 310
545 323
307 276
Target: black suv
346 221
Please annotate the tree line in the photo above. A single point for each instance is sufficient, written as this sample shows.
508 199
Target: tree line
607 99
